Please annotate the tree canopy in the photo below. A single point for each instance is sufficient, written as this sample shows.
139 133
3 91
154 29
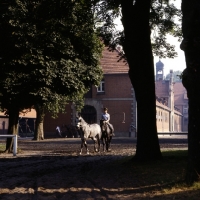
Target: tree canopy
164 19
49 54
48 50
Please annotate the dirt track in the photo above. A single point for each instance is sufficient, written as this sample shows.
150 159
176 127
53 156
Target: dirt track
53 169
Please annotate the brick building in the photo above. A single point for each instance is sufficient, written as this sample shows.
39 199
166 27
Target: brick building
116 93
26 123
173 96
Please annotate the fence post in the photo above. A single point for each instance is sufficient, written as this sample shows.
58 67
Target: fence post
15 146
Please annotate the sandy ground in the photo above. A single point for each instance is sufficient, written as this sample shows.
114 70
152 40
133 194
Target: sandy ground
53 170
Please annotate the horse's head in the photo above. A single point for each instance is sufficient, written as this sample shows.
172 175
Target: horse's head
78 121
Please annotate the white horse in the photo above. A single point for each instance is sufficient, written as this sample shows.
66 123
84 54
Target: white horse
92 131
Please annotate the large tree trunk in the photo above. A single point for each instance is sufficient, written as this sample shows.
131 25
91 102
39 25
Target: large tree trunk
39 129
12 127
191 81
138 51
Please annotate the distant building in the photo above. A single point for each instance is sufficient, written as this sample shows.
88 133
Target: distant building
174 96
181 102
26 123
114 92
159 71
117 94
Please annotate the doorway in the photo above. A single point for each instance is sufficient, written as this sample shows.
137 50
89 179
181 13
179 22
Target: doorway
89 114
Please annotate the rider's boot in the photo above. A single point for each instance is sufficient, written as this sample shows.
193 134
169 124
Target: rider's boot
112 132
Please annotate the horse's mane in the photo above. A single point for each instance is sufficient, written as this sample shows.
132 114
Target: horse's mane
84 121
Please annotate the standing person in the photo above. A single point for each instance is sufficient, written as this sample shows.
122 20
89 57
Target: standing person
58 131
106 117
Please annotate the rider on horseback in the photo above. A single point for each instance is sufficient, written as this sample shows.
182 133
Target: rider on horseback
106 117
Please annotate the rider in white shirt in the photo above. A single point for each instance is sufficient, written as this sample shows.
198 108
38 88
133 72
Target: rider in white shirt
106 117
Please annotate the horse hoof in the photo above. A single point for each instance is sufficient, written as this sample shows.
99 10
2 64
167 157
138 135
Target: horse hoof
80 153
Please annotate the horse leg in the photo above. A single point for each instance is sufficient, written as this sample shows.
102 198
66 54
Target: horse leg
85 143
109 143
95 142
82 141
103 138
104 145
99 144
103 142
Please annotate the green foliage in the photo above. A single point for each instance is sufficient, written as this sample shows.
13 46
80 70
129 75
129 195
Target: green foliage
164 19
49 52
106 12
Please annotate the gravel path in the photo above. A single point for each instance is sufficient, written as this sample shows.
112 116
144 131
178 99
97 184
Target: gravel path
53 170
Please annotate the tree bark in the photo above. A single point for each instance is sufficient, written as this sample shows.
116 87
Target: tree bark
12 127
138 51
191 81
39 128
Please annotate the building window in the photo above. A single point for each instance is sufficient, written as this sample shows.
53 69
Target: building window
166 120
185 109
101 87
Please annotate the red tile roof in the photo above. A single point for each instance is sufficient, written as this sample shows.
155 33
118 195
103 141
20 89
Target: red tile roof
162 88
111 63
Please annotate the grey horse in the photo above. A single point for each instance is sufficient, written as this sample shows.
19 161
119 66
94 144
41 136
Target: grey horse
92 131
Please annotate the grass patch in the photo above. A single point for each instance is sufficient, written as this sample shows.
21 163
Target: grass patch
2 147
175 153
